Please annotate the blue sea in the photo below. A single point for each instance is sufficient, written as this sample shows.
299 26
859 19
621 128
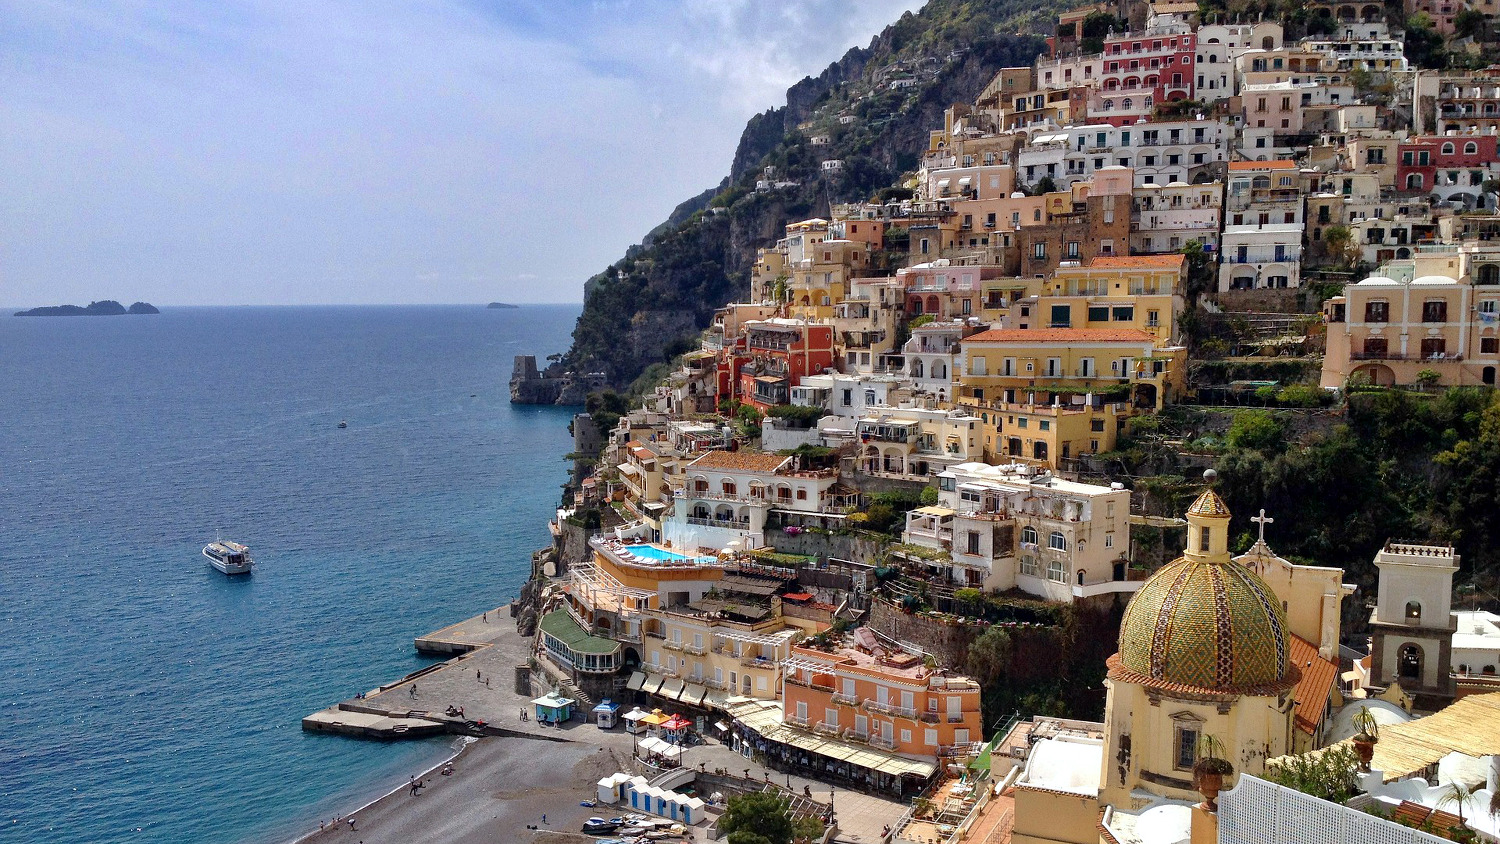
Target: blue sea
145 697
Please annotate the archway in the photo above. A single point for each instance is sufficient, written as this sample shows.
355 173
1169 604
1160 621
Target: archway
1409 663
1379 374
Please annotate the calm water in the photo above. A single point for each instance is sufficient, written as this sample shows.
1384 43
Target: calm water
148 698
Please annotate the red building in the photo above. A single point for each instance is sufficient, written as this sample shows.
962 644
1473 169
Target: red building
1156 66
1454 167
945 291
771 357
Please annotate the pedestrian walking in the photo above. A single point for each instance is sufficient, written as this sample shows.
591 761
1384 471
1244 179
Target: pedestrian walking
413 690
486 618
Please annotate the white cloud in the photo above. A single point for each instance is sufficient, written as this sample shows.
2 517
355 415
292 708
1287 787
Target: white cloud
348 151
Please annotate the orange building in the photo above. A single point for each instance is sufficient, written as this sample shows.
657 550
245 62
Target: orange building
861 690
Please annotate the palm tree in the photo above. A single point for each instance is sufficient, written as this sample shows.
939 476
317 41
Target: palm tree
1458 794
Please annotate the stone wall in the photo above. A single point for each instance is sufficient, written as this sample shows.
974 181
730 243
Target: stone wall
948 641
859 548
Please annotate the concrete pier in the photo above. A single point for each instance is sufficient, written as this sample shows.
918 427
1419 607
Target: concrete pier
480 680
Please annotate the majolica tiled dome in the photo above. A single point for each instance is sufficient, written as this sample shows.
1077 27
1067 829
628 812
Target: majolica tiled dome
1206 622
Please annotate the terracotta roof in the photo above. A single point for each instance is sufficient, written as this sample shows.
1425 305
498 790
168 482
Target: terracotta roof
1061 335
751 461
1133 261
1279 164
1312 690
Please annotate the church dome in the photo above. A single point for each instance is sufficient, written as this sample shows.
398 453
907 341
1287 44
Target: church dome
1205 621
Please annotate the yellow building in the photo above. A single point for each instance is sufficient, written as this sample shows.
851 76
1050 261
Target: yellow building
1204 651
1046 395
1143 292
714 651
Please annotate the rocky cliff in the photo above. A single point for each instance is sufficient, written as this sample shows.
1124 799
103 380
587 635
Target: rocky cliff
652 304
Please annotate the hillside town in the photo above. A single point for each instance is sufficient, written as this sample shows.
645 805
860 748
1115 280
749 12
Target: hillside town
868 532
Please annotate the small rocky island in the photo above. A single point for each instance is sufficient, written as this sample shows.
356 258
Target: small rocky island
499 305
104 307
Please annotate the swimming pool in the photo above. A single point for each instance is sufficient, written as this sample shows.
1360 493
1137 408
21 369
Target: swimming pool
651 552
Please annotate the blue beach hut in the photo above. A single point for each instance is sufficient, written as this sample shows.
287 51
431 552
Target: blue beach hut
606 714
553 708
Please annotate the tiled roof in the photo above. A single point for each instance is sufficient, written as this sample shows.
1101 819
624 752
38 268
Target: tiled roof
744 461
1279 164
1206 624
1312 691
1134 261
1061 335
1209 504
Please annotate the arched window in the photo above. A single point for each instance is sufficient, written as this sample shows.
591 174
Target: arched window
1413 181
729 488
1127 103
1109 105
1413 611
1055 572
939 370
1409 663
1028 534
1448 148
1471 148
1056 541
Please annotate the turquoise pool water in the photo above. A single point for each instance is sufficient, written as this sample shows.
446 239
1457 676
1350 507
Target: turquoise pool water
651 552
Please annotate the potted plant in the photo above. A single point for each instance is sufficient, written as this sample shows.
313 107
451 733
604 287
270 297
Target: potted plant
1210 770
1364 740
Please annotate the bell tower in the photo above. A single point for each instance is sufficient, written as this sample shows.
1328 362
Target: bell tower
1413 624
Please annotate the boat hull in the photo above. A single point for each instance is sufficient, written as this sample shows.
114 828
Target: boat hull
230 558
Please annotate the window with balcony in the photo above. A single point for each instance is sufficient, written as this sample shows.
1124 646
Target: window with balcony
1375 347
1433 347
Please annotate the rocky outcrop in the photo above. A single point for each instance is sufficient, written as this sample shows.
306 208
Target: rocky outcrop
652 304
553 386
143 308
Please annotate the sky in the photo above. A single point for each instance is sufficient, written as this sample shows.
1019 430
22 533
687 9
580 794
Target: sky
228 152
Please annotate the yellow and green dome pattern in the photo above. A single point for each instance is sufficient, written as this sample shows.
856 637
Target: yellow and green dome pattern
1206 624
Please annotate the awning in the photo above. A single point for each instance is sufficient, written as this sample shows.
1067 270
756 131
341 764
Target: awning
720 725
636 679
670 688
935 510
651 683
692 694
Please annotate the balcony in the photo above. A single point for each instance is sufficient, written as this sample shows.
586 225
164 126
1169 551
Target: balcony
797 720
763 663
672 646
731 524
877 740
847 700
856 735
955 719
695 650
825 728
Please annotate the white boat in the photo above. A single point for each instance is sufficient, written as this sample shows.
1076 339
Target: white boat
228 557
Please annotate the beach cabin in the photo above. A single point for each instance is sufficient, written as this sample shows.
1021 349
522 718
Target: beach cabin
652 723
612 788
632 720
553 708
675 729
631 793
606 714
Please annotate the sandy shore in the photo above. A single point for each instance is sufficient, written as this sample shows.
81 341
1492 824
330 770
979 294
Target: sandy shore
499 787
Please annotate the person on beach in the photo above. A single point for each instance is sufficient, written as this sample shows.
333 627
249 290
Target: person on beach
413 690
351 824
486 618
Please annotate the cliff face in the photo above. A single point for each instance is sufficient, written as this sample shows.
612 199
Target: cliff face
652 304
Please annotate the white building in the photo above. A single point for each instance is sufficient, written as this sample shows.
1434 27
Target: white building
1164 218
1008 527
1257 257
726 496
1160 152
